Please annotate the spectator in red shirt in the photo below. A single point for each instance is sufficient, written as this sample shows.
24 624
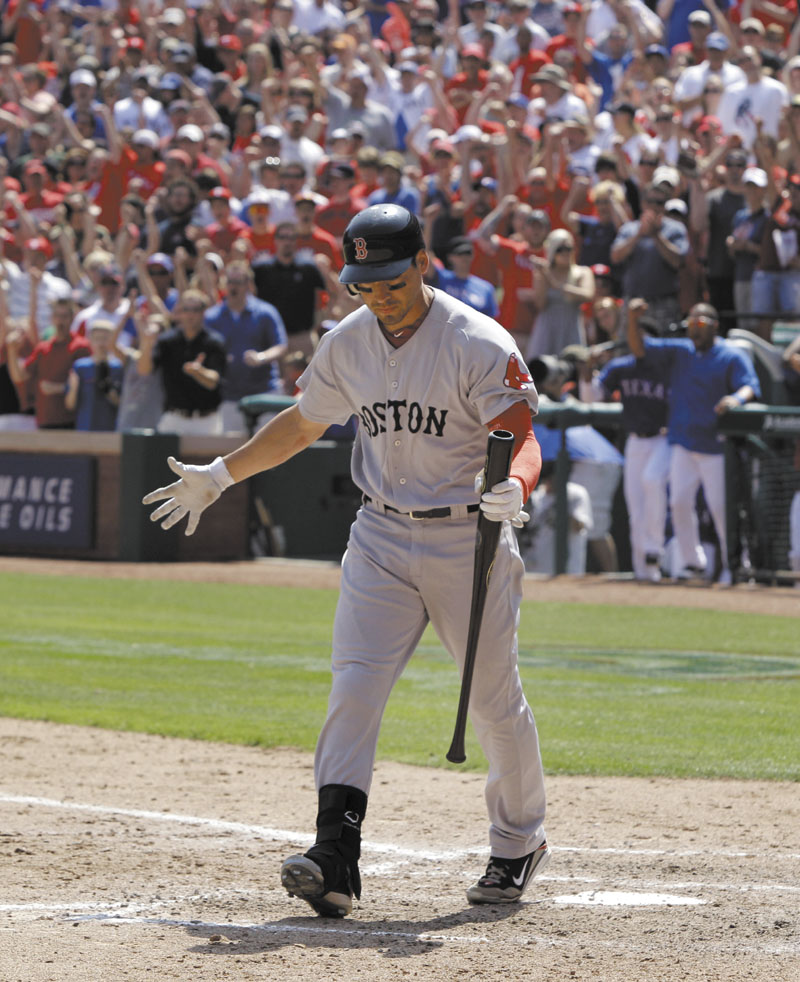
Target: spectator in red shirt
259 234
311 238
48 367
472 78
37 198
226 228
342 204
229 54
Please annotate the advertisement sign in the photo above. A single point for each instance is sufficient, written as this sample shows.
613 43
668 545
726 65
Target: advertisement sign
46 500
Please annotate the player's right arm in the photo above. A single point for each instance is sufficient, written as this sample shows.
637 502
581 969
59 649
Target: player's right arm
197 487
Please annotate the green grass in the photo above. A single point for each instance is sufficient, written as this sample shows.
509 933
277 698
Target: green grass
615 690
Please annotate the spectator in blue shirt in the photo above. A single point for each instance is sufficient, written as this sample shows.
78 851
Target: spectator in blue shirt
255 340
94 382
707 377
393 191
460 283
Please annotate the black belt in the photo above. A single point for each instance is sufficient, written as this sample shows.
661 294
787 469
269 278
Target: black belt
430 513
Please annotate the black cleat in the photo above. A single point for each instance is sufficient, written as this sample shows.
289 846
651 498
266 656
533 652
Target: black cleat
303 877
505 880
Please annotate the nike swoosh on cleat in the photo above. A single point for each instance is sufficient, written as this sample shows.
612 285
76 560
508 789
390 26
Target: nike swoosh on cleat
519 880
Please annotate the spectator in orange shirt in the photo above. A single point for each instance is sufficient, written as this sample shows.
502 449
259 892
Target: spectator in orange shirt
342 204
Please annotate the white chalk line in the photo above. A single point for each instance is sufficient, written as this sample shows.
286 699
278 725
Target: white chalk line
382 848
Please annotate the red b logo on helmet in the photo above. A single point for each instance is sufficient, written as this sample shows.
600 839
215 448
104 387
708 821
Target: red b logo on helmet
361 248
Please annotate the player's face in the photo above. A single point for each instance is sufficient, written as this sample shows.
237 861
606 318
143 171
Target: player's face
701 328
398 302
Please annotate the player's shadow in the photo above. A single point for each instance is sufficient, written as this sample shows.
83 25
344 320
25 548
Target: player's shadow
395 938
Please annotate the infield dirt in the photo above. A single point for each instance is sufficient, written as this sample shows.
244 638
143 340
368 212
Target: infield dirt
132 857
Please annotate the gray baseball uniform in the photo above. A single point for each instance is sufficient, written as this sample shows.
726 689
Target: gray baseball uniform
422 437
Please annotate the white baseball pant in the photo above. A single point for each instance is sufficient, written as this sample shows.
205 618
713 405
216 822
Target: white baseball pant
397 574
645 475
687 472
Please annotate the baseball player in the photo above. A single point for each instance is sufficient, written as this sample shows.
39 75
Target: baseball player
707 377
428 377
643 394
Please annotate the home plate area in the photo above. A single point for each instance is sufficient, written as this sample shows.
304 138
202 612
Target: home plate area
128 857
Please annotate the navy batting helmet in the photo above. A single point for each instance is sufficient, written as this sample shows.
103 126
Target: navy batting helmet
379 244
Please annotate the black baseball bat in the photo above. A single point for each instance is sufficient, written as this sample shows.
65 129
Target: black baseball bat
496 467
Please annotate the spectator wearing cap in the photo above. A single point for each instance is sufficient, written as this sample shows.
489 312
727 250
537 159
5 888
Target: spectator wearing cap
136 165
140 111
83 88
37 253
754 106
744 242
182 59
690 84
258 232
572 35
393 189
296 146
776 279
473 78
441 204
229 54
191 139
556 100
311 239
456 280
676 13
226 228
269 186
294 285
712 219
255 342
37 198
693 51
478 25
348 102
650 252
342 205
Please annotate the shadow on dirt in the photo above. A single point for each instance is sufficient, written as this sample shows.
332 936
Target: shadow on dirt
395 938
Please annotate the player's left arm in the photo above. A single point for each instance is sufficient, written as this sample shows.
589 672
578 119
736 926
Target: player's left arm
744 383
526 458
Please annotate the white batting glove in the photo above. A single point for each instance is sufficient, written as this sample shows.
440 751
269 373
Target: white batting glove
503 502
197 488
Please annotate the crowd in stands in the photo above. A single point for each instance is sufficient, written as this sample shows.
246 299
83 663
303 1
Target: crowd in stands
176 176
